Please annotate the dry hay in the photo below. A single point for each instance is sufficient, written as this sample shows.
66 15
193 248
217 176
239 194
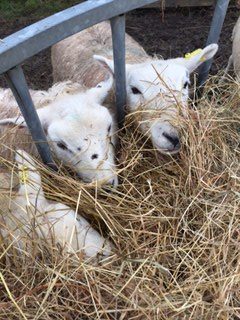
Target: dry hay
174 222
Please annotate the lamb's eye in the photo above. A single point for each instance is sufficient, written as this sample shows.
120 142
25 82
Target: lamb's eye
109 128
94 156
135 90
62 145
186 85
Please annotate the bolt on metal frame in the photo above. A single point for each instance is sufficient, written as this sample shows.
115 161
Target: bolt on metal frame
18 47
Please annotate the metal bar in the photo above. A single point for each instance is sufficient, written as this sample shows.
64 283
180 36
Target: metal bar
29 41
118 38
17 82
213 36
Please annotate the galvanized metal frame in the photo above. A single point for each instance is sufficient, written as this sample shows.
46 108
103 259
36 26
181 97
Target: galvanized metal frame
18 47
213 36
17 83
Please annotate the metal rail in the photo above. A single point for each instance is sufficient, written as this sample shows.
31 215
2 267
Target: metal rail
213 37
29 41
118 37
17 83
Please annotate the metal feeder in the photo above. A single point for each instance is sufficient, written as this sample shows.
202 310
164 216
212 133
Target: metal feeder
19 46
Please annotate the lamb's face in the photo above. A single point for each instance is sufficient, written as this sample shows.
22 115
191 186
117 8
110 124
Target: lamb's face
159 90
80 131
83 141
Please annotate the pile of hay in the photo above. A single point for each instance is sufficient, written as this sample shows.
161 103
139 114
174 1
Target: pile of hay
174 222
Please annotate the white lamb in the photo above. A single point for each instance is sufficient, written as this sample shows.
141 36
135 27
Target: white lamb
79 129
29 213
236 49
159 88
234 59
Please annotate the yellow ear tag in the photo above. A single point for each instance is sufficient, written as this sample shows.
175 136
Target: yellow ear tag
193 54
23 175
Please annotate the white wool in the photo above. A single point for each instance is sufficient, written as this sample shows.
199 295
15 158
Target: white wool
236 49
29 211
152 84
79 129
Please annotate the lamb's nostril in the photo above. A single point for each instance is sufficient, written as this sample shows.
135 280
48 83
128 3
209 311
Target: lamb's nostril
114 182
173 139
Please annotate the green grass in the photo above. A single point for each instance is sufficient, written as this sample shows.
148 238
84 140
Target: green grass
15 9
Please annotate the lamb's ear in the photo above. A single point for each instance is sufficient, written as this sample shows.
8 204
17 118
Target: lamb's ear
107 63
100 92
193 60
44 115
18 121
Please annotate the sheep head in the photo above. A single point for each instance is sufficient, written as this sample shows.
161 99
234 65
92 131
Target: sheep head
158 91
80 130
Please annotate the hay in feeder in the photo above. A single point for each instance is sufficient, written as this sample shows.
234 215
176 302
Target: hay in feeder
174 222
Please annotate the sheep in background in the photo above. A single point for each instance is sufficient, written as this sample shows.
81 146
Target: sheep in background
28 212
79 129
236 49
234 59
157 87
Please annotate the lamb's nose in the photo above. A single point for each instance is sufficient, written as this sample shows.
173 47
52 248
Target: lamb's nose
173 139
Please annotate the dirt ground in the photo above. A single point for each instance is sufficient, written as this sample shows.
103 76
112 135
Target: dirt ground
171 34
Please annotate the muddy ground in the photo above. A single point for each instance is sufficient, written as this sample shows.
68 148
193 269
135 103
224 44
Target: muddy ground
171 34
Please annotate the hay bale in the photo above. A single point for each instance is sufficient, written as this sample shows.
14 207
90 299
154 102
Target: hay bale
174 221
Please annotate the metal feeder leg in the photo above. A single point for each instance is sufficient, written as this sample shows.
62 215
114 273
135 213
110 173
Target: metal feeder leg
17 83
118 38
213 36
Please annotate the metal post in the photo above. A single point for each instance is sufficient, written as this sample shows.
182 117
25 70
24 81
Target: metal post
17 82
213 36
118 38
